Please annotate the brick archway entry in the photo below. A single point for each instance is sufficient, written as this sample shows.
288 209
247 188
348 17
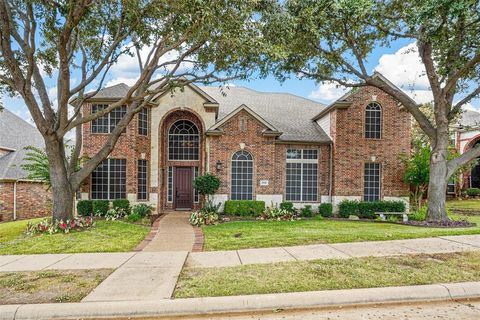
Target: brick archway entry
181 159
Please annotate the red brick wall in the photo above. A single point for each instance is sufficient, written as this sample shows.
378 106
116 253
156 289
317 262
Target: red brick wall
33 200
129 146
269 158
352 149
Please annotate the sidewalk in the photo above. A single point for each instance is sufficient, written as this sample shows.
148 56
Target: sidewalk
334 251
245 256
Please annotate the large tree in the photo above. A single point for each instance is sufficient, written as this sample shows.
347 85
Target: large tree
333 40
54 41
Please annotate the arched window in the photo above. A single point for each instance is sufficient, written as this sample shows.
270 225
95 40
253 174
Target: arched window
373 121
242 176
183 141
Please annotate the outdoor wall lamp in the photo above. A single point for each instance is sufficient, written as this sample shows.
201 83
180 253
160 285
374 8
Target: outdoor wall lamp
219 165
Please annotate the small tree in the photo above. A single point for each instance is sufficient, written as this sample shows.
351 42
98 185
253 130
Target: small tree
206 185
417 172
36 165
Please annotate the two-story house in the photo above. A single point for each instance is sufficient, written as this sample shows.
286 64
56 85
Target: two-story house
265 146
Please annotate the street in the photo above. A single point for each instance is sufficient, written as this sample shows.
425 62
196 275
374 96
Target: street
428 310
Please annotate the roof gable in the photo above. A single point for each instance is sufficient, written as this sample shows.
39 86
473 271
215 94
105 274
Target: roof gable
270 128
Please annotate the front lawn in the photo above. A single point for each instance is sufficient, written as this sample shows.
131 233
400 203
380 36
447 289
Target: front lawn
49 286
105 236
471 205
331 274
260 234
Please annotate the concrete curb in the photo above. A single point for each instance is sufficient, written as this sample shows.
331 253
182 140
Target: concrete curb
237 304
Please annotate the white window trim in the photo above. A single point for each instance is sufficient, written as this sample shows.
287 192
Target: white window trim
302 161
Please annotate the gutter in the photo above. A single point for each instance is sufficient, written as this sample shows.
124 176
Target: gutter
330 184
15 200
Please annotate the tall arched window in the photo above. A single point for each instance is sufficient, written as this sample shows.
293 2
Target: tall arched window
242 176
183 141
373 121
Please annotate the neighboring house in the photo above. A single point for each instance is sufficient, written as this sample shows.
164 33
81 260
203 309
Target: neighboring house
20 198
263 146
466 135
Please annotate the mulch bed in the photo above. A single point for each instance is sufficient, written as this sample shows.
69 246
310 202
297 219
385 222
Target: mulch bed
443 224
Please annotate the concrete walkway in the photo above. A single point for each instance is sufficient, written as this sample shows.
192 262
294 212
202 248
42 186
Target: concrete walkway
334 251
174 234
12 263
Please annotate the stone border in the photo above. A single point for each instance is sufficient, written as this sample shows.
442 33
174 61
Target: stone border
167 308
149 237
199 239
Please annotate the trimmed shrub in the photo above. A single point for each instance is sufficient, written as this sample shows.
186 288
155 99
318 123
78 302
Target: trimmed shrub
287 206
244 208
85 207
347 208
325 210
367 209
100 207
307 211
121 204
473 192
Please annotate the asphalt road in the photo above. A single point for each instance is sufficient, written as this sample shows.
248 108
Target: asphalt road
435 310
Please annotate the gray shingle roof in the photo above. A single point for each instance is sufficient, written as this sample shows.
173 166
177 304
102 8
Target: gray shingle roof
470 118
288 113
117 91
16 134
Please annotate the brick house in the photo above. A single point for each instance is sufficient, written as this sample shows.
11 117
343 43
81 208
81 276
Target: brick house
265 146
20 198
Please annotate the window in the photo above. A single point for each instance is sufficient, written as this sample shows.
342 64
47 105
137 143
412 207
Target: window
242 176
373 121
170 185
451 186
143 122
371 182
109 180
108 122
142 181
183 141
302 175
196 195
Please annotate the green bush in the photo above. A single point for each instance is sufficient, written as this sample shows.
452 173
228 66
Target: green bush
123 204
287 206
307 211
206 184
367 209
325 210
84 207
142 209
134 217
100 207
347 208
473 192
244 208
419 215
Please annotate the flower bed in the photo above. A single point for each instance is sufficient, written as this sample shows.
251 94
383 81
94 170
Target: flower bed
59 226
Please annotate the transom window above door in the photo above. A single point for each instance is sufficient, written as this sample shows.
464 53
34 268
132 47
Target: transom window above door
183 141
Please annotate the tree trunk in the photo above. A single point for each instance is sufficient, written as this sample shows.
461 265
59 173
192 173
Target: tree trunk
61 187
437 187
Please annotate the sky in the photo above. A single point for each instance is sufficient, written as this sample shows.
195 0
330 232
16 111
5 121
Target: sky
399 63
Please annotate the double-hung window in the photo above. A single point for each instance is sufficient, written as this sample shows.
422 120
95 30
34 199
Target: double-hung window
109 179
372 182
143 122
142 181
302 175
107 122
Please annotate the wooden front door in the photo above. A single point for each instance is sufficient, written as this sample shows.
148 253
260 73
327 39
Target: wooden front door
183 188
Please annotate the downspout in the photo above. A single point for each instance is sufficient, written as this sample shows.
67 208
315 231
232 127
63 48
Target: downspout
330 184
15 200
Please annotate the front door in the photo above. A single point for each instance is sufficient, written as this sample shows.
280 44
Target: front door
183 188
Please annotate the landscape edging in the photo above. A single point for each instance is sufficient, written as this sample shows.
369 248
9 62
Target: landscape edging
238 304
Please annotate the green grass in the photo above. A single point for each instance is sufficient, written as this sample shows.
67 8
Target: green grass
105 236
332 274
49 286
464 205
262 234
